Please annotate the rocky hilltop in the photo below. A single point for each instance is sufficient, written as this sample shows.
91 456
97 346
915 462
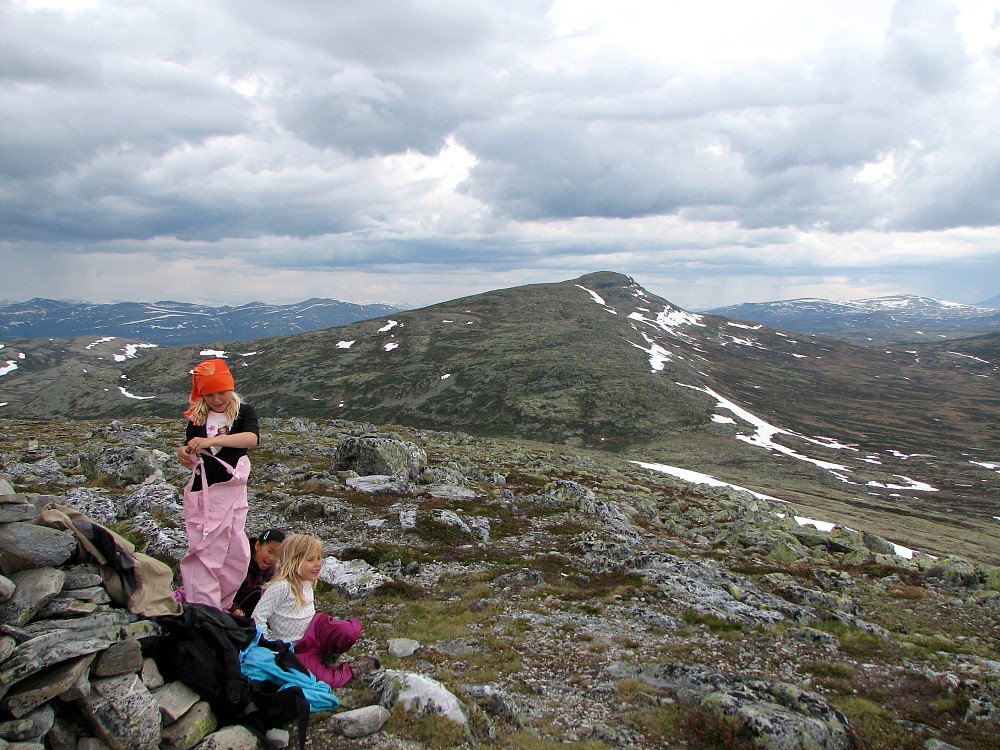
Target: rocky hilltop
526 595
898 441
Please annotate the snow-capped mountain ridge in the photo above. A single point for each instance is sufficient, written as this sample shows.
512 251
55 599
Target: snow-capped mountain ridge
176 323
814 315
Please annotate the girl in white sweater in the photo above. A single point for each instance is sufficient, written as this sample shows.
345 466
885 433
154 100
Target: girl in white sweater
286 612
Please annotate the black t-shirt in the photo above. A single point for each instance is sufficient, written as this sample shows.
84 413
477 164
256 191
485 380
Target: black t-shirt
246 421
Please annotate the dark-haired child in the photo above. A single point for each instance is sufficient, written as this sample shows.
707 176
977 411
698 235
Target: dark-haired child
263 562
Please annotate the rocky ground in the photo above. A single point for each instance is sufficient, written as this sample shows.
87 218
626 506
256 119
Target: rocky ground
570 598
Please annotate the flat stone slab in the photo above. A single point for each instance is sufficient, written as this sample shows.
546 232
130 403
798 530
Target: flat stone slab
52 648
174 700
43 686
123 712
16 508
25 546
33 590
121 658
189 729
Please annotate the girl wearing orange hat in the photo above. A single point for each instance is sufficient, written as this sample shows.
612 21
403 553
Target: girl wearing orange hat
221 428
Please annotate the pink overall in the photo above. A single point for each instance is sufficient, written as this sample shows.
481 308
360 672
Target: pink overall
325 637
218 550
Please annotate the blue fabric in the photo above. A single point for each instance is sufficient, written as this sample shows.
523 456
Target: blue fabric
257 662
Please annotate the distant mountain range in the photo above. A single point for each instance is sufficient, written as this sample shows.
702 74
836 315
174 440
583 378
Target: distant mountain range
176 323
600 362
908 316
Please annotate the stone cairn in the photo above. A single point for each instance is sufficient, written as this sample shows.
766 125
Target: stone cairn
73 674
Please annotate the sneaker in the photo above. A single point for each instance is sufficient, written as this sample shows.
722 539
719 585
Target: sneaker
362 666
331 660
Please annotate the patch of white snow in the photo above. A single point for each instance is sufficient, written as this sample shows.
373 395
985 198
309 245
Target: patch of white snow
597 298
131 395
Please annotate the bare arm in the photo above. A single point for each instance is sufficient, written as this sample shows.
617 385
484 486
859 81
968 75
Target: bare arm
236 440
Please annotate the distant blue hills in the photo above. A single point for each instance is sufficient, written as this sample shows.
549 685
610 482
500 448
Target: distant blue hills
826 317
177 323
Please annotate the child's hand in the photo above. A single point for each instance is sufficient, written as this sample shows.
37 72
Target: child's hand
238 611
199 443
186 456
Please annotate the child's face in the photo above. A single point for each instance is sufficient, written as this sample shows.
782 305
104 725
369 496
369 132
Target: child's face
218 401
310 567
266 554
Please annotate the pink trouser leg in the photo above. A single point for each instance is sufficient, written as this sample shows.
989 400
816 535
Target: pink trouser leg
325 637
234 568
218 551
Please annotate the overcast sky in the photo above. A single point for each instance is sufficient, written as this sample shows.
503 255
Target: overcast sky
227 151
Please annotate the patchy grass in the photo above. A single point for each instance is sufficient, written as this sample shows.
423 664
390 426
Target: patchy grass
133 535
377 554
679 725
525 740
398 591
712 622
432 730
876 726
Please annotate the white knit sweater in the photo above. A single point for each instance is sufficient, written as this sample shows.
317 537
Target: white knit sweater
277 615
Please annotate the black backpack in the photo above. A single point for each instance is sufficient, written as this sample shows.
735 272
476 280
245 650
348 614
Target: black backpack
202 647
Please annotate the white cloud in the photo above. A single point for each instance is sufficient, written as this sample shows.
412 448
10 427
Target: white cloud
718 152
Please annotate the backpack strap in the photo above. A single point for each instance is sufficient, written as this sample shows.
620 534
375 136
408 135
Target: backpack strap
302 709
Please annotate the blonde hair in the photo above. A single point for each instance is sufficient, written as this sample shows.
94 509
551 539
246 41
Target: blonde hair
201 409
294 550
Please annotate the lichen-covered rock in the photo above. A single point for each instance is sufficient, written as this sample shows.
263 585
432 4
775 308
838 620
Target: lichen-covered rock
877 544
26 545
97 504
418 695
190 729
569 492
161 498
123 712
353 578
122 465
234 737
380 455
28 694
360 722
33 589
776 714
380 484
44 471
54 647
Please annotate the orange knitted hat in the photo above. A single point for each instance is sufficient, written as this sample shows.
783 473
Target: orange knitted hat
210 376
